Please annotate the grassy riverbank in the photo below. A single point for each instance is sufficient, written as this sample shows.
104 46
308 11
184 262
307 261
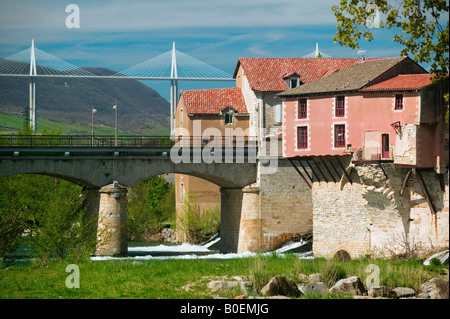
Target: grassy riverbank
174 279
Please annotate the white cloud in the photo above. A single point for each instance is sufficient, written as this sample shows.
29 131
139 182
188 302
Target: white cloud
119 33
137 15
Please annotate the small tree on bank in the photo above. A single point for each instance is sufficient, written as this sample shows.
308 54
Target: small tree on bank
45 214
423 28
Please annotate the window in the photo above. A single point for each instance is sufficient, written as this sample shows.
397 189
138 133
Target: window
340 106
278 113
229 118
183 194
398 102
181 116
385 146
302 109
302 137
339 136
292 81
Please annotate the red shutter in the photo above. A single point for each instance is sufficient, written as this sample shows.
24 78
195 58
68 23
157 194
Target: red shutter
339 136
302 137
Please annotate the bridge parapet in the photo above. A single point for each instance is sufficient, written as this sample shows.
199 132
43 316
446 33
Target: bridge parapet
76 159
140 141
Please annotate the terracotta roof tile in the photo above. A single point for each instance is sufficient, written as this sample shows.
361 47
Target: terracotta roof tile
266 74
353 78
212 101
402 82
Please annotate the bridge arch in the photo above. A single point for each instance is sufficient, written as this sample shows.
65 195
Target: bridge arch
98 172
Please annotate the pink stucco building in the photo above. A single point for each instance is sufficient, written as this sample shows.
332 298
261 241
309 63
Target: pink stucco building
372 143
382 110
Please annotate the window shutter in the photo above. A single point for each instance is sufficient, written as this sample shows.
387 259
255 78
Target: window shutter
278 113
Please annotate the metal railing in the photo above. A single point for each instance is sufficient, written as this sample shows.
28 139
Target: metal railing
84 141
100 141
222 141
368 154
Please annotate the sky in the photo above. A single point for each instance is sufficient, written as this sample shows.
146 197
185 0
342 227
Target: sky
118 34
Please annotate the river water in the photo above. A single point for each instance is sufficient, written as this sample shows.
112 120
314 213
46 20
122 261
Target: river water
208 250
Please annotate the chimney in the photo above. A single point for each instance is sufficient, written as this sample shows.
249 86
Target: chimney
363 55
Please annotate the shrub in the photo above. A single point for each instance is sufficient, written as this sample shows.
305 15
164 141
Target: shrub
332 271
151 206
50 212
60 229
196 226
258 271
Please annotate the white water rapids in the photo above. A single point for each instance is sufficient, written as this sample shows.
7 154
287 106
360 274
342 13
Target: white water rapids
190 251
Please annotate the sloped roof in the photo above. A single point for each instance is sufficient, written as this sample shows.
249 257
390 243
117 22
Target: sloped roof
266 74
212 101
402 82
353 78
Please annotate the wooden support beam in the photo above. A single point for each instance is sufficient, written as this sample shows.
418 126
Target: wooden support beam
312 170
300 173
441 182
320 170
425 191
326 166
334 168
405 181
306 172
345 172
384 172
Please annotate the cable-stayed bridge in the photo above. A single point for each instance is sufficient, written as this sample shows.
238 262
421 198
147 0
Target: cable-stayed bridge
172 66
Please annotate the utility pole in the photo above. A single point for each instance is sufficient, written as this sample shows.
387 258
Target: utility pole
33 75
116 130
94 111
173 91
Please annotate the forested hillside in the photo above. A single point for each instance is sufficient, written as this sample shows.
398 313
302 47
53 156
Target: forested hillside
141 109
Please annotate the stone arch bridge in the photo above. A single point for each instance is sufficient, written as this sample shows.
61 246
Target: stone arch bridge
106 166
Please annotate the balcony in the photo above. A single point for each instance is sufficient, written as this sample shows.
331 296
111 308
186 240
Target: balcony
373 154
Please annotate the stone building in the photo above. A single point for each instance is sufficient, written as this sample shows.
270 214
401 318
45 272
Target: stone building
285 202
224 113
372 142
278 207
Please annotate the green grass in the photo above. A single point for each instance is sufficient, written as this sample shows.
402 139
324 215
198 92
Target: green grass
167 279
10 124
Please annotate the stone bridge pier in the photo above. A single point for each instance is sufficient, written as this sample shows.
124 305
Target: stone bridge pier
240 222
108 206
93 168
240 219
241 228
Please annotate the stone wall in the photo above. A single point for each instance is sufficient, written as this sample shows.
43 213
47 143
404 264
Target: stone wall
264 215
250 225
112 224
405 151
230 219
286 205
371 217
432 229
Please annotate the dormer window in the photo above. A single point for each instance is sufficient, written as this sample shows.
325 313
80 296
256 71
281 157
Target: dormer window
228 115
228 118
292 80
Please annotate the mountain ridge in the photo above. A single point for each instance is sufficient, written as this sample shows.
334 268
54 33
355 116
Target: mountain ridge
140 108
